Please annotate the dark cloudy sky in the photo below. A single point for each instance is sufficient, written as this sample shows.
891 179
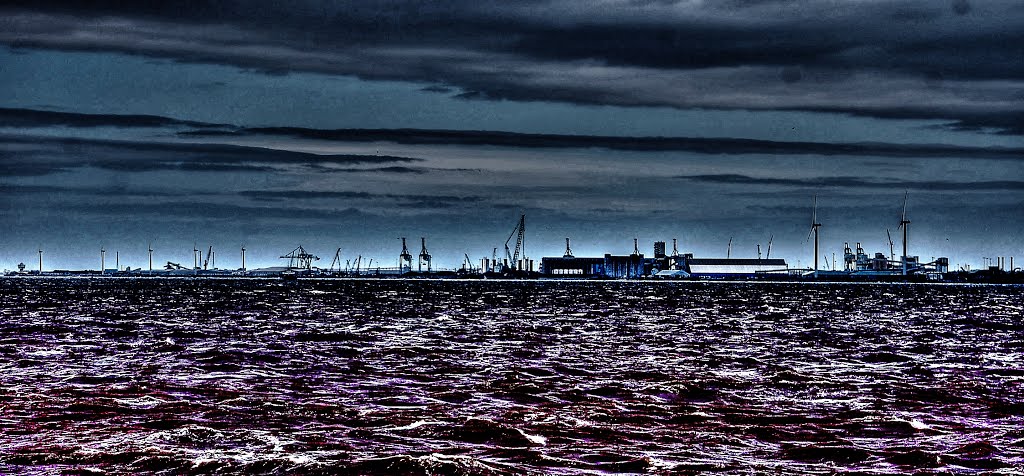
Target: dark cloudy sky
337 124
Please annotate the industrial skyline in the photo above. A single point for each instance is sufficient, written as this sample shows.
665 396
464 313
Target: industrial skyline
144 130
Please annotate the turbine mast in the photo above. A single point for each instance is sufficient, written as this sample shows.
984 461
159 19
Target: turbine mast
904 224
814 229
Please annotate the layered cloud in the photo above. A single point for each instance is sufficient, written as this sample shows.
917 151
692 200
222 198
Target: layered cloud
33 156
956 61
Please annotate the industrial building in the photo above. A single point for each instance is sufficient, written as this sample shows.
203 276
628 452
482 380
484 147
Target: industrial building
662 265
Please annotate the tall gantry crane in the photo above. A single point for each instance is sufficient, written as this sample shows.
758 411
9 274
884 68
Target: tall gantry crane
520 232
337 259
424 255
405 257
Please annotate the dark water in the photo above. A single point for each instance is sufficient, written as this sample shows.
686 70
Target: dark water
403 377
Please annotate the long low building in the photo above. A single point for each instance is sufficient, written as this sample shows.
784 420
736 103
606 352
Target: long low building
682 266
722 268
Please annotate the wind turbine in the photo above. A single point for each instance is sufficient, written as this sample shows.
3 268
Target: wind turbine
103 257
243 257
904 225
151 256
814 229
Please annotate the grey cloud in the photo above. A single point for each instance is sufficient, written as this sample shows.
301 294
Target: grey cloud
345 194
858 182
14 117
691 144
390 170
215 157
214 211
877 59
33 156
12 190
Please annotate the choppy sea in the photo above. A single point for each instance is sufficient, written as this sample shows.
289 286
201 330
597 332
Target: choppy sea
183 376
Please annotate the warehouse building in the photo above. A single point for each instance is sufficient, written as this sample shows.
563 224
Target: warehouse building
733 268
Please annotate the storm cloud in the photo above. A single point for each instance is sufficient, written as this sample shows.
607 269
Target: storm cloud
956 62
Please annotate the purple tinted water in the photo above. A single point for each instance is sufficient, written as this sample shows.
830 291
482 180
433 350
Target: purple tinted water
447 377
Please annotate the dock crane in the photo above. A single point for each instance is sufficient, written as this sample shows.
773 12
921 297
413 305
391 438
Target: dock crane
469 264
519 231
406 256
206 262
768 254
337 259
424 256
728 252
299 258
892 252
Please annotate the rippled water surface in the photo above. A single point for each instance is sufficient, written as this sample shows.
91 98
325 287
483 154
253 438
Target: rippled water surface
474 377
